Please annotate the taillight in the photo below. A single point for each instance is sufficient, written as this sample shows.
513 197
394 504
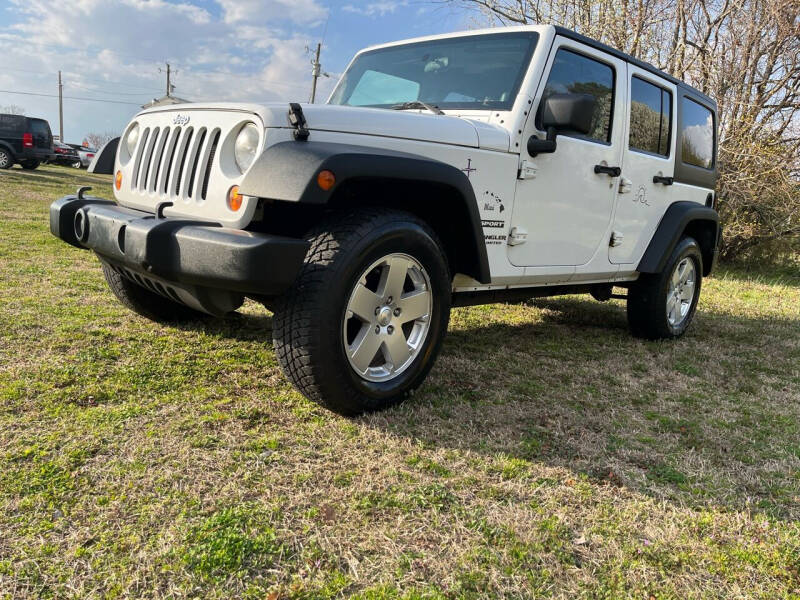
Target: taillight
90 156
27 140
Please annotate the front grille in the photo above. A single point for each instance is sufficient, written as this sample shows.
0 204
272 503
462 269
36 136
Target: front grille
175 162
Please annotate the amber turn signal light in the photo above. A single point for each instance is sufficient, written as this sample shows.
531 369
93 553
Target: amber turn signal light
118 180
234 198
326 179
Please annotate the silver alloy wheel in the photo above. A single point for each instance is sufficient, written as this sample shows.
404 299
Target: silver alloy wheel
4 159
682 286
387 317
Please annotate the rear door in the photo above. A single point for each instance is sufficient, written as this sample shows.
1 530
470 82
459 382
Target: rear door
11 129
647 164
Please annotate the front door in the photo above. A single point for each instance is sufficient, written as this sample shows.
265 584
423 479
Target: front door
566 207
647 164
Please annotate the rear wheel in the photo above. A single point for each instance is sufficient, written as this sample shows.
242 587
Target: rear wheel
662 305
6 160
363 323
147 303
29 165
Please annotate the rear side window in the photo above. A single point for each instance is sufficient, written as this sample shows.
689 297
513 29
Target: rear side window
651 117
11 123
578 74
697 134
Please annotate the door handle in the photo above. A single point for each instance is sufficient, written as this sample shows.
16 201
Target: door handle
662 180
612 171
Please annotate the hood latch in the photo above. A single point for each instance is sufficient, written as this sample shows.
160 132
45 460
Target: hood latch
298 120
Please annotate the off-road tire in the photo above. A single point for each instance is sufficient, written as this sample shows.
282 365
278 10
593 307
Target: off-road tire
6 159
307 323
647 297
146 303
29 165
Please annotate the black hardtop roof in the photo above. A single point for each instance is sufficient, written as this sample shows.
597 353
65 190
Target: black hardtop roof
574 35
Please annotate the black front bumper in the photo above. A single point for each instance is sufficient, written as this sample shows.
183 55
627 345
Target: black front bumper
208 267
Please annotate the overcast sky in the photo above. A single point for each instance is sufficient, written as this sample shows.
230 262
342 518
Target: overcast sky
237 50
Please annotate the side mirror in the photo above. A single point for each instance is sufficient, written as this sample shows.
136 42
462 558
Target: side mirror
559 113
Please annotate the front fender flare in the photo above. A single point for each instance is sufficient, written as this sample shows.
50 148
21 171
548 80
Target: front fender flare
287 171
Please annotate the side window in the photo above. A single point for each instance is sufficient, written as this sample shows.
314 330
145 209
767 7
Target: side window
651 117
382 88
697 134
11 124
578 74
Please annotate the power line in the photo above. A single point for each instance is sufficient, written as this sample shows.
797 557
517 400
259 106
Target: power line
84 78
99 91
71 97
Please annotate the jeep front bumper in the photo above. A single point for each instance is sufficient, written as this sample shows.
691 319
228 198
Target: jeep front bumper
202 265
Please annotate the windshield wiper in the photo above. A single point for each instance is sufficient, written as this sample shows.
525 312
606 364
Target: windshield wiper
418 104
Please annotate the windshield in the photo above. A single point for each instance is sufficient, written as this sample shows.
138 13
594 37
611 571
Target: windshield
481 72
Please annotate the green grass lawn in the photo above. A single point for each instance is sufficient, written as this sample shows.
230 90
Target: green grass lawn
549 454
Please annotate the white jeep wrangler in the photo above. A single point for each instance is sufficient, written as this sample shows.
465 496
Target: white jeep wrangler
478 167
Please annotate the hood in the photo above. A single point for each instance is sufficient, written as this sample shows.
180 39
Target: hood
411 124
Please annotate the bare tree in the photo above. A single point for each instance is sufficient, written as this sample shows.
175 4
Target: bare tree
743 53
12 109
98 140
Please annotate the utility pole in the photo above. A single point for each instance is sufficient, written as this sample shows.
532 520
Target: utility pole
60 110
169 78
315 73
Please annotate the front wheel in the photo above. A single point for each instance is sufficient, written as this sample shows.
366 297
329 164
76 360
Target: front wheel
662 305
363 323
29 165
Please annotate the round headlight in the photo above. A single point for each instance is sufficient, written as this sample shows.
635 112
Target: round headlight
246 145
132 139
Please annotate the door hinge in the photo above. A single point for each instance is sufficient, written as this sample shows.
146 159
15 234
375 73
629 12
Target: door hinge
517 236
527 170
616 239
625 185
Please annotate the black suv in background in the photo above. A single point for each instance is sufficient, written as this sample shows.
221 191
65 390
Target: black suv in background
24 140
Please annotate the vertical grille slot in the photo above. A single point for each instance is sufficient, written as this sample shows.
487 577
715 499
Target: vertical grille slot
209 162
169 157
158 159
139 152
147 160
184 151
195 159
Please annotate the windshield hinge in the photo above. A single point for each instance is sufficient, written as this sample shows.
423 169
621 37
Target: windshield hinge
298 120
527 170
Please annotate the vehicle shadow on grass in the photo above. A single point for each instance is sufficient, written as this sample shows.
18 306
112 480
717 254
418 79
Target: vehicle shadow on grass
698 420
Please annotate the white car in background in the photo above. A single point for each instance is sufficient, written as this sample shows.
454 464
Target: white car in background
86 155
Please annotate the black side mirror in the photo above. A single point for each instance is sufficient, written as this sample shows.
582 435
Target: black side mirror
559 113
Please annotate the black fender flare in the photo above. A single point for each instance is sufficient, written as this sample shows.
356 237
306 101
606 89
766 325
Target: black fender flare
103 161
287 171
676 219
